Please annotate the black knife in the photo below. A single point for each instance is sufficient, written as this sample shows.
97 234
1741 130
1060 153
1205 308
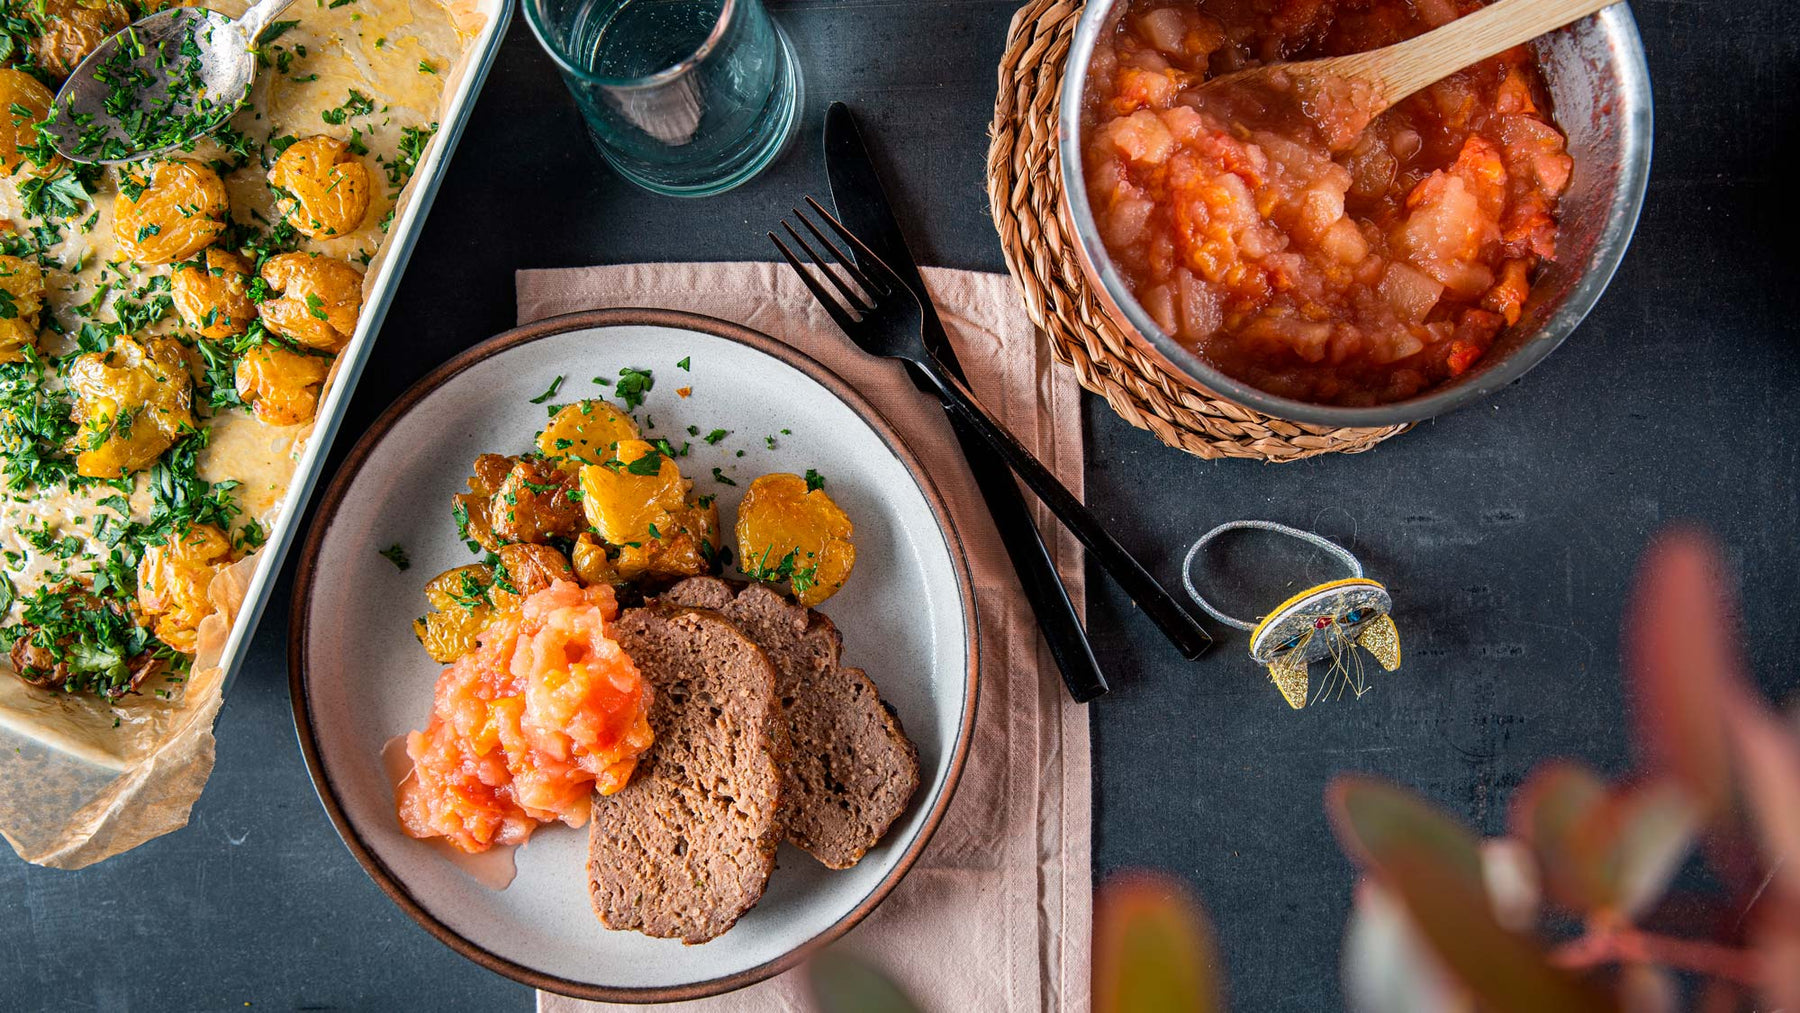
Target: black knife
862 205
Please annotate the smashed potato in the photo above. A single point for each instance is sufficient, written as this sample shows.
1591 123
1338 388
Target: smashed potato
178 210
173 578
280 385
212 295
531 568
592 564
322 189
790 533
24 103
533 503
68 30
464 600
586 432
320 298
638 504
472 509
131 403
21 297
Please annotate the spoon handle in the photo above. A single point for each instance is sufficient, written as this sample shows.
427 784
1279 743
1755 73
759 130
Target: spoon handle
260 14
1401 69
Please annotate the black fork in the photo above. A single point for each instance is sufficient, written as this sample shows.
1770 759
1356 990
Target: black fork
882 316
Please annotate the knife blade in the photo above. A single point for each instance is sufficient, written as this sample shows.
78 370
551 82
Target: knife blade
862 205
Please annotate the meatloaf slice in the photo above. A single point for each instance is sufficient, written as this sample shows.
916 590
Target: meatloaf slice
853 770
687 847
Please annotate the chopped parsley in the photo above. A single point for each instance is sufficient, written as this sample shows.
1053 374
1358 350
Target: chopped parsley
814 481
396 554
633 385
555 385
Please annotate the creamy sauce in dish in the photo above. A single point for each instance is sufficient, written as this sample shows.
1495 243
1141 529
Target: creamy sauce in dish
369 74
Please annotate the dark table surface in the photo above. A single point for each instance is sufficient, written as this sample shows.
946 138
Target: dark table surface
1508 532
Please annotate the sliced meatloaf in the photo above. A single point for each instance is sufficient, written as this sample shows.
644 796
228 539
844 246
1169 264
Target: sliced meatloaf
853 770
687 847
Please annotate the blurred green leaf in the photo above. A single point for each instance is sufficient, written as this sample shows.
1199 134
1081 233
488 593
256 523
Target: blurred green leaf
1153 950
1556 812
1651 828
1431 865
1683 666
1388 968
843 984
1514 884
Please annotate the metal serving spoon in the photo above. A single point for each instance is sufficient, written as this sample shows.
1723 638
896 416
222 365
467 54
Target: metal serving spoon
158 83
1343 94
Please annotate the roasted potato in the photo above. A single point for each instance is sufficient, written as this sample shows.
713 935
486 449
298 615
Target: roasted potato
280 385
464 600
592 564
21 298
472 509
212 295
586 432
320 299
24 103
531 568
131 403
533 503
169 214
321 188
68 30
173 577
638 503
788 533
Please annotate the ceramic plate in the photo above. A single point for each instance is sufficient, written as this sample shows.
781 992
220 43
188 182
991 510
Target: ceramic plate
359 678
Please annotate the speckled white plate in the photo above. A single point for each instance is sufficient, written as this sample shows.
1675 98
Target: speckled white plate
359 678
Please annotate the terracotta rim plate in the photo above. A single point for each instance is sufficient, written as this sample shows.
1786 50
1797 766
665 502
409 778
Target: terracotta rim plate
358 678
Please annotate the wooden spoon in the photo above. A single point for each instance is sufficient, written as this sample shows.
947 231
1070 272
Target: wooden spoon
1366 84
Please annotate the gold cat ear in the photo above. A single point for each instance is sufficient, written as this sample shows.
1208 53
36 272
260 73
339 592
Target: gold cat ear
1381 638
1289 675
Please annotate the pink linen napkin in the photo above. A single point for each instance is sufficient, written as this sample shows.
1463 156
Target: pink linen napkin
997 913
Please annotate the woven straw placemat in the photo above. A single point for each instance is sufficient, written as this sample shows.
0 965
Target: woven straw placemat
1025 190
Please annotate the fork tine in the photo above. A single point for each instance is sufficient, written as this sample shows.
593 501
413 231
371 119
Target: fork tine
848 262
850 295
865 256
838 313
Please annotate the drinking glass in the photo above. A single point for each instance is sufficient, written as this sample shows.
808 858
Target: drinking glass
682 97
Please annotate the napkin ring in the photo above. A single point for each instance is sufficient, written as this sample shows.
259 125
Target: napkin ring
1324 622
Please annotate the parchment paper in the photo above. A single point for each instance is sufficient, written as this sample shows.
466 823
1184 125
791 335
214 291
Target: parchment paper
82 779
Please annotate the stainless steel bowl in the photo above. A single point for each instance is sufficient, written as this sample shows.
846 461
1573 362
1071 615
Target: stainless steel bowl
1600 87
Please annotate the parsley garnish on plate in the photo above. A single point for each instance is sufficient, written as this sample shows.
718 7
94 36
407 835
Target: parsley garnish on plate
683 364
633 385
396 554
719 477
555 385
814 481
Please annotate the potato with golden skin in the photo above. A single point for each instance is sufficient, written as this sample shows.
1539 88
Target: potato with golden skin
173 577
646 517
24 103
586 432
68 30
788 533
533 503
322 189
179 209
132 402
281 385
463 601
212 294
531 568
591 563
21 299
472 509
319 300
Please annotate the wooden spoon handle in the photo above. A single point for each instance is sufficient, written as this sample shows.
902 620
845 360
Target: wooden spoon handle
1401 69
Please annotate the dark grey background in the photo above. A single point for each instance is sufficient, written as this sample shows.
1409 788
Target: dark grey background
1508 532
